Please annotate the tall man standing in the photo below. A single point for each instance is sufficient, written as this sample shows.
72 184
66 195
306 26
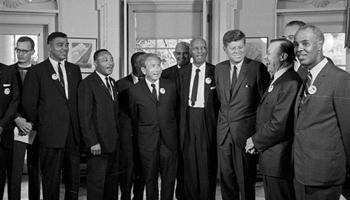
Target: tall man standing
240 84
9 100
131 168
50 103
182 55
321 148
25 51
98 115
274 130
198 115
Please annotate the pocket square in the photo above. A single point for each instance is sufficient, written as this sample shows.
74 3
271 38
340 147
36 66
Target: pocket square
6 85
213 88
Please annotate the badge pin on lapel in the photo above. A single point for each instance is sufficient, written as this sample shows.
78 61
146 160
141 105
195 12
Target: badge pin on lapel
312 89
7 91
162 90
208 80
54 77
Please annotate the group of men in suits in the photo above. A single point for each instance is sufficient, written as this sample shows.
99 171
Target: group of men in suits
186 123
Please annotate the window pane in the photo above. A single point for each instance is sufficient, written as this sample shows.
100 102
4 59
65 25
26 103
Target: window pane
167 58
145 43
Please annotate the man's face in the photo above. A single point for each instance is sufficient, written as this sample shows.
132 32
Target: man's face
104 63
289 32
58 48
236 51
24 52
308 47
182 55
199 52
273 58
152 69
137 67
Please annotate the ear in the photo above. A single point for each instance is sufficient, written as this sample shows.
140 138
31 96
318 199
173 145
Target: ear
143 69
283 57
95 64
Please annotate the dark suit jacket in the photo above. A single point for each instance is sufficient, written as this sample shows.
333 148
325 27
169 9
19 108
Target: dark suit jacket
98 114
321 148
45 104
171 73
210 99
154 120
274 130
9 100
237 112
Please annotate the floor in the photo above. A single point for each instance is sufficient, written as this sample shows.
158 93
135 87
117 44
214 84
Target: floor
82 192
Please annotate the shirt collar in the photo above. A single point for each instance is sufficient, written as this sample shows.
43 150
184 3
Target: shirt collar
24 67
149 83
55 63
103 77
316 69
239 65
201 67
280 72
135 79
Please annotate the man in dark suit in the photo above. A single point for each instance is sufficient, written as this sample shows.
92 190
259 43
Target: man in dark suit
274 122
131 168
289 33
25 51
321 148
49 101
240 84
9 100
198 115
153 106
98 115
182 55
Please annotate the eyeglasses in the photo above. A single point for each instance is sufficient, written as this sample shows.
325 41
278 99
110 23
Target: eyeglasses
25 51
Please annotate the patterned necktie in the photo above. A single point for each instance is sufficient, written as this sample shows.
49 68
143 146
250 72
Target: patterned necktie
109 87
233 79
154 91
306 86
60 74
195 87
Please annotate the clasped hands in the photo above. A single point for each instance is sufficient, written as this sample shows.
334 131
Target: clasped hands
249 146
24 127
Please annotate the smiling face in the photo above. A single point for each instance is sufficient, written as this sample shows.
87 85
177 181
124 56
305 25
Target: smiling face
308 48
104 63
152 68
236 51
199 51
182 54
273 58
58 48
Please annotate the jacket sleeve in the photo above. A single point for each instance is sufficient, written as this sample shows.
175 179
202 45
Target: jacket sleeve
30 96
263 79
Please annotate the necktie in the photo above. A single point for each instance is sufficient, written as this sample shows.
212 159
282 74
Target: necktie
154 91
233 79
305 92
60 73
109 87
195 88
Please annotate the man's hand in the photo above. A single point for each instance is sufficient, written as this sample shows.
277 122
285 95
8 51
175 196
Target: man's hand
24 127
249 146
95 150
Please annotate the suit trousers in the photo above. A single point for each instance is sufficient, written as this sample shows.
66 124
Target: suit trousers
127 169
306 192
139 178
102 177
237 171
277 188
5 170
19 149
52 161
199 162
163 161
179 191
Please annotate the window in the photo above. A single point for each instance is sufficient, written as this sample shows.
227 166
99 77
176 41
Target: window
164 48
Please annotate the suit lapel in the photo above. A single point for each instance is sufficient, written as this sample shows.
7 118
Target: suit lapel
54 77
187 82
208 74
69 78
102 85
241 76
226 80
148 92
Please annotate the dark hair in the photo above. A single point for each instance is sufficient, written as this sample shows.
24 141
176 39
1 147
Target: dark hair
135 56
296 23
233 35
27 39
286 47
96 54
54 35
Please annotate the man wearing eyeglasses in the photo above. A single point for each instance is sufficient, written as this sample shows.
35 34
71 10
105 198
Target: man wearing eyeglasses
24 51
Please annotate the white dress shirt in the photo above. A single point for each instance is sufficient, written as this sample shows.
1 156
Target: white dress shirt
103 78
151 88
279 73
238 66
54 63
201 81
316 69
